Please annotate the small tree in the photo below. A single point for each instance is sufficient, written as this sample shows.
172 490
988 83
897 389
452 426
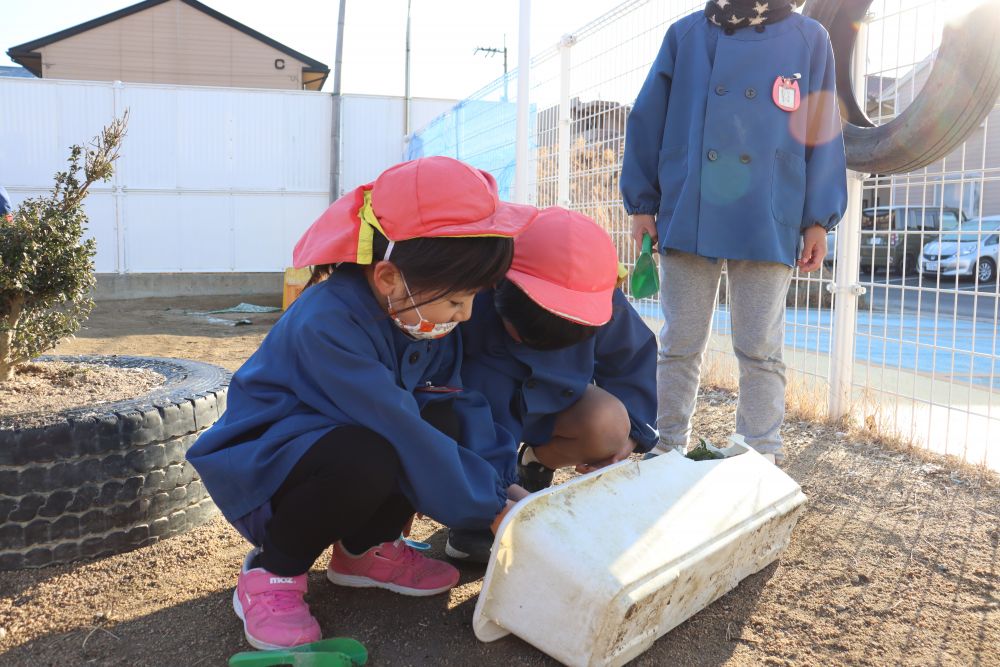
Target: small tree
47 269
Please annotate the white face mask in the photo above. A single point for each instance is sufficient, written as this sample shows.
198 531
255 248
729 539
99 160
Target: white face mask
424 329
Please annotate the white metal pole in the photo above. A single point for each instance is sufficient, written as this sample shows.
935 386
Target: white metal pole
406 94
845 286
523 89
565 118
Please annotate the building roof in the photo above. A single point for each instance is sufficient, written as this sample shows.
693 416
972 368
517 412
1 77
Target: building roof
23 53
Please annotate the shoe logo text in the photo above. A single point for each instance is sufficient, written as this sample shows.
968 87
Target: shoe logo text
282 580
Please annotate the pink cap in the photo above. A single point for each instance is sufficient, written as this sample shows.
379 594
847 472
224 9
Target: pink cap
567 265
432 197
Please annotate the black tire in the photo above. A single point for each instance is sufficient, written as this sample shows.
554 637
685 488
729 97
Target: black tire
93 482
986 271
960 92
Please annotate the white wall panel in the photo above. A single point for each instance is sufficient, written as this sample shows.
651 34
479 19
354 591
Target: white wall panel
100 208
372 139
38 123
210 179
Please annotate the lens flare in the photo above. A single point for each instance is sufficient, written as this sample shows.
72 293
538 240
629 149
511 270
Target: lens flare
955 11
813 134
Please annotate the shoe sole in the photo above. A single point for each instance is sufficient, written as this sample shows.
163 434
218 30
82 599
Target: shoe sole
458 554
256 643
354 581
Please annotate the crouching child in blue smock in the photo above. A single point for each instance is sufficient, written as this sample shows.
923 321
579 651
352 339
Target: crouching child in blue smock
351 416
566 363
734 151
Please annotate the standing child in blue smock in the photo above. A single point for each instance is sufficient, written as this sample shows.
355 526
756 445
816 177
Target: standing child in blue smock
734 152
351 416
567 365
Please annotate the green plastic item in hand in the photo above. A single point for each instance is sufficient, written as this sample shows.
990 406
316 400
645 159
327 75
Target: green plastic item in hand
645 281
335 652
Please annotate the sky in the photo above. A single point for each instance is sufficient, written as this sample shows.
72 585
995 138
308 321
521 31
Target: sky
445 33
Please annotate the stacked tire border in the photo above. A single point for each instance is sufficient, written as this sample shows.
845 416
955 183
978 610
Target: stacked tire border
98 481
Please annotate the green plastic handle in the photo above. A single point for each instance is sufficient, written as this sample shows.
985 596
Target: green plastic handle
288 657
333 652
645 281
647 244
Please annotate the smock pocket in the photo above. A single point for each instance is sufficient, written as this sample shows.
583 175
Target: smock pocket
788 188
672 173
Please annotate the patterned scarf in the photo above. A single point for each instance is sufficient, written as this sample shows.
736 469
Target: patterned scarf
738 14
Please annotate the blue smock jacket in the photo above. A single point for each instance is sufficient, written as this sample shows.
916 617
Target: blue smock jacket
336 359
527 388
728 173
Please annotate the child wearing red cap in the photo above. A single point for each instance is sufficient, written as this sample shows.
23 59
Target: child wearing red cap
351 416
566 363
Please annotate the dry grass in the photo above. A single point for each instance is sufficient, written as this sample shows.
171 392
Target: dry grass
868 421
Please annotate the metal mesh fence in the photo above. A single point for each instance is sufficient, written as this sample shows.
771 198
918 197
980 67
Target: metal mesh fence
925 364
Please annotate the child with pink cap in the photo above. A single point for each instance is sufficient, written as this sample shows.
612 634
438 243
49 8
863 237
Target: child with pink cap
567 364
351 416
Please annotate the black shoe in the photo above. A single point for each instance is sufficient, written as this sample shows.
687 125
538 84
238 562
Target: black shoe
534 476
469 544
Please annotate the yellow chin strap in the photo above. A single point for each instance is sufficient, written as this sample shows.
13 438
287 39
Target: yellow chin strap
366 235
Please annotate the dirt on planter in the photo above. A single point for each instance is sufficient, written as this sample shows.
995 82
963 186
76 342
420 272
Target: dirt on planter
46 388
893 562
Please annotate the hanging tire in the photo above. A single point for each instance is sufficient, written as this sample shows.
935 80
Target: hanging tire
960 91
99 480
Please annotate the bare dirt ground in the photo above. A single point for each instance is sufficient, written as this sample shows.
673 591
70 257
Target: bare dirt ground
895 561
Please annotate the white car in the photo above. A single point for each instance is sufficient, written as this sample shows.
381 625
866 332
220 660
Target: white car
972 251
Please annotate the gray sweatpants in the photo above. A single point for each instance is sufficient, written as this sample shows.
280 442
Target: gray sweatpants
688 287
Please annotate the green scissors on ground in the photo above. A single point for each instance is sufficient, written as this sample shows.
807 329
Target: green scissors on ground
335 652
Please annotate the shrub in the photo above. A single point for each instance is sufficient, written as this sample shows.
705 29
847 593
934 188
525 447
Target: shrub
47 268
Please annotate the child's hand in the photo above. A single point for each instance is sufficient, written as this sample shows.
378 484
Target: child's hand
644 224
496 522
813 249
517 492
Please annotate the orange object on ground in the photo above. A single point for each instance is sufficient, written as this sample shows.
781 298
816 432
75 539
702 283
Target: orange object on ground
295 282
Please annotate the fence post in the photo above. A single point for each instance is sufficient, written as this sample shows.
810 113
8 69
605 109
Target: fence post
523 91
845 286
565 118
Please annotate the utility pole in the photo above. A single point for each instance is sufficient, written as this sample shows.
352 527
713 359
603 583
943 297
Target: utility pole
406 94
492 51
338 67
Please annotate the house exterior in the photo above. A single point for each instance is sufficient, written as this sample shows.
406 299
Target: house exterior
182 42
958 181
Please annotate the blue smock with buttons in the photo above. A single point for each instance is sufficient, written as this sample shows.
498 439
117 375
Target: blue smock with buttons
528 388
727 172
334 359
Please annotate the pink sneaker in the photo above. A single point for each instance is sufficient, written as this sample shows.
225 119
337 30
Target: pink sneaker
394 566
271 607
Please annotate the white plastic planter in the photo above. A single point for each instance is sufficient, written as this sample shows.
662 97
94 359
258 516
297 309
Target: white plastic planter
592 572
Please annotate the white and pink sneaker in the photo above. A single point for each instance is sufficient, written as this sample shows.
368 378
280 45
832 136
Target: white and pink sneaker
272 609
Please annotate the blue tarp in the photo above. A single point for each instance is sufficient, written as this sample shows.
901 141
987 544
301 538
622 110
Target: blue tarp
479 132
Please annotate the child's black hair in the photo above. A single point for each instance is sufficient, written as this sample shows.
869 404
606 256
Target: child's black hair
537 327
437 267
